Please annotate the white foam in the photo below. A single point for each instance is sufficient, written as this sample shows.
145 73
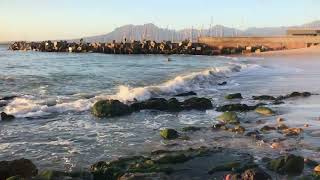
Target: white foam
27 106
191 82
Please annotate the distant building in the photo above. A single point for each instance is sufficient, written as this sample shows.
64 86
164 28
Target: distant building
303 32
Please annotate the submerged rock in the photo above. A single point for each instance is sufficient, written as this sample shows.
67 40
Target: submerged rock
197 103
264 97
235 107
6 117
267 128
255 174
144 176
234 96
222 83
190 93
191 128
292 131
7 98
229 118
110 108
169 134
20 167
288 164
264 111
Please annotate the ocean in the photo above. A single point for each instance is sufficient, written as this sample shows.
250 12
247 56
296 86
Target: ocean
55 91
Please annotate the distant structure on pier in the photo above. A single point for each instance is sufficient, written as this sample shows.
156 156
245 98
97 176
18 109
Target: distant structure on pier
303 32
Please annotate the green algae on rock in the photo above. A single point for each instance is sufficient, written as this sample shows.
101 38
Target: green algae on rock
110 108
229 117
264 111
234 96
169 134
288 164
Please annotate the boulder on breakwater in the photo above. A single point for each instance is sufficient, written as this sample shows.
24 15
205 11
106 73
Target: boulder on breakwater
133 47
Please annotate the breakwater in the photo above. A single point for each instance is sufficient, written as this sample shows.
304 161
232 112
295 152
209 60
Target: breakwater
136 47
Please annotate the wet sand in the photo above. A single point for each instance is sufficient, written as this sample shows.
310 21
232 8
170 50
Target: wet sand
314 50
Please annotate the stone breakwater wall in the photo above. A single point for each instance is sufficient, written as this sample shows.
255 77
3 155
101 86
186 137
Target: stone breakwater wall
273 43
135 47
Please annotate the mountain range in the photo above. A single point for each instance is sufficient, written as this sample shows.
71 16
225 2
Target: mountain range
153 32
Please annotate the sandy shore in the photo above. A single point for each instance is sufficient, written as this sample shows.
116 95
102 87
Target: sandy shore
315 50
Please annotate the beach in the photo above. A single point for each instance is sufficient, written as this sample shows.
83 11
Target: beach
56 129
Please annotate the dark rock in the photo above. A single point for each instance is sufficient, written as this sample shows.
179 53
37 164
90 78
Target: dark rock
110 108
294 95
173 159
160 104
144 176
20 167
222 83
229 118
7 98
238 129
191 128
288 164
255 174
235 107
234 96
190 93
6 117
267 128
197 103
277 102
52 175
15 178
174 105
254 134
264 97
169 134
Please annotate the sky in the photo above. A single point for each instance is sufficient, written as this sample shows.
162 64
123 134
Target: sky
67 19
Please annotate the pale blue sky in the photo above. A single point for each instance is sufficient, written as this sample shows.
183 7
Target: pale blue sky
58 19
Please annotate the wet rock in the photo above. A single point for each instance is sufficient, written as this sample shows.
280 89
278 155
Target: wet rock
173 159
51 175
190 93
238 129
280 119
234 96
235 107
197 103
317 170
277 102
288 164
294 95
255 174
174 105
225 167
20 167
6 117
7 98
267 128
254 134
15 178
229 118
169 134
282 127
292 131
222 83
160 104
264 97
110 108
191 128
264 111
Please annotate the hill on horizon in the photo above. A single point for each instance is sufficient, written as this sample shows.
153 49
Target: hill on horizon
152 32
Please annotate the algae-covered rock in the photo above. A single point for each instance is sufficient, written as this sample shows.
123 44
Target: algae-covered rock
197 104
229 118
288 164
264 111
225 167
51 175
174 105
169 134
267 128
255 174
110 108
235 107
173 159
15 178
191 128
264 97
234 96
20 167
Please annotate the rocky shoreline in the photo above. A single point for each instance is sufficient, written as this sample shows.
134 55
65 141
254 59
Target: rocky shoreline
135 47
201 162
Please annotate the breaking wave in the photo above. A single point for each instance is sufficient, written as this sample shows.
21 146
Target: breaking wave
29 106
